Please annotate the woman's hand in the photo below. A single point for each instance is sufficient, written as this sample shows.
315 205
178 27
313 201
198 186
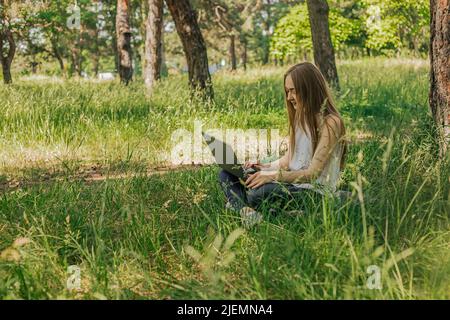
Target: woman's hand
250 164
258 165
260 178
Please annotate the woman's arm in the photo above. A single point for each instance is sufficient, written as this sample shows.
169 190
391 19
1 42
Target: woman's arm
268 172
282 163
331 133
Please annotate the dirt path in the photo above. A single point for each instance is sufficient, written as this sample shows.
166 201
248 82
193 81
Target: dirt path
89 174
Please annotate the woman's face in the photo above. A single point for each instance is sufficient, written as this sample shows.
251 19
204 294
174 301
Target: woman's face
290 92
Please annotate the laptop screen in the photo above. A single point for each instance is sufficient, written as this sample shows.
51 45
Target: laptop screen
222 152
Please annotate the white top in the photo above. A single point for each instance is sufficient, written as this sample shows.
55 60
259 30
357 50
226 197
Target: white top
302 158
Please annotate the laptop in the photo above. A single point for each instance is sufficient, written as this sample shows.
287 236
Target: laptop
226 157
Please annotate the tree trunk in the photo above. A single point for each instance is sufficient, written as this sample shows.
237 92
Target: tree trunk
76 57
323 48
57 54
153 44
7 79
34 64
164 70
116 53
95 53
193 45
267 25
123 33
244 54
232 52
60 61
95 63
112 30
440 70
6 36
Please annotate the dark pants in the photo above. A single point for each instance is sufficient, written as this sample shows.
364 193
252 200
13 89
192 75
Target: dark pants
269 195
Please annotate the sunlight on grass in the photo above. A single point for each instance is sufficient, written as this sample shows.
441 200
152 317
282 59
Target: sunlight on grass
140 236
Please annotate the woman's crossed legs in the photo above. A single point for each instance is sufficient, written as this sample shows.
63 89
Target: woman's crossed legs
269 195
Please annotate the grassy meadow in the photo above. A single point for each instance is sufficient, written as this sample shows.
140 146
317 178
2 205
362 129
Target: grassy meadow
140 236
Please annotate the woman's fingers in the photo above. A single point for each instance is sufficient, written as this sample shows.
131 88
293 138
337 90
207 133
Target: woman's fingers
255 185
251 181
252 185
250 178
249 164
255 182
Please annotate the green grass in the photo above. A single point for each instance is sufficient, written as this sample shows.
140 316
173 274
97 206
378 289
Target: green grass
169 236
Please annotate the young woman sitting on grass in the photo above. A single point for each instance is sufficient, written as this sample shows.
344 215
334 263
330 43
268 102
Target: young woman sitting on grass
315 156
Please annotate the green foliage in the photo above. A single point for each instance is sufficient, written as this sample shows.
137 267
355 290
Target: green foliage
266 31
383 26
136 236
392 25
44 35
342 29
292 35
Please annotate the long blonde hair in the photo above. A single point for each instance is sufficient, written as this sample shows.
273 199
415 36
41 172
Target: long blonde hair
315 98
